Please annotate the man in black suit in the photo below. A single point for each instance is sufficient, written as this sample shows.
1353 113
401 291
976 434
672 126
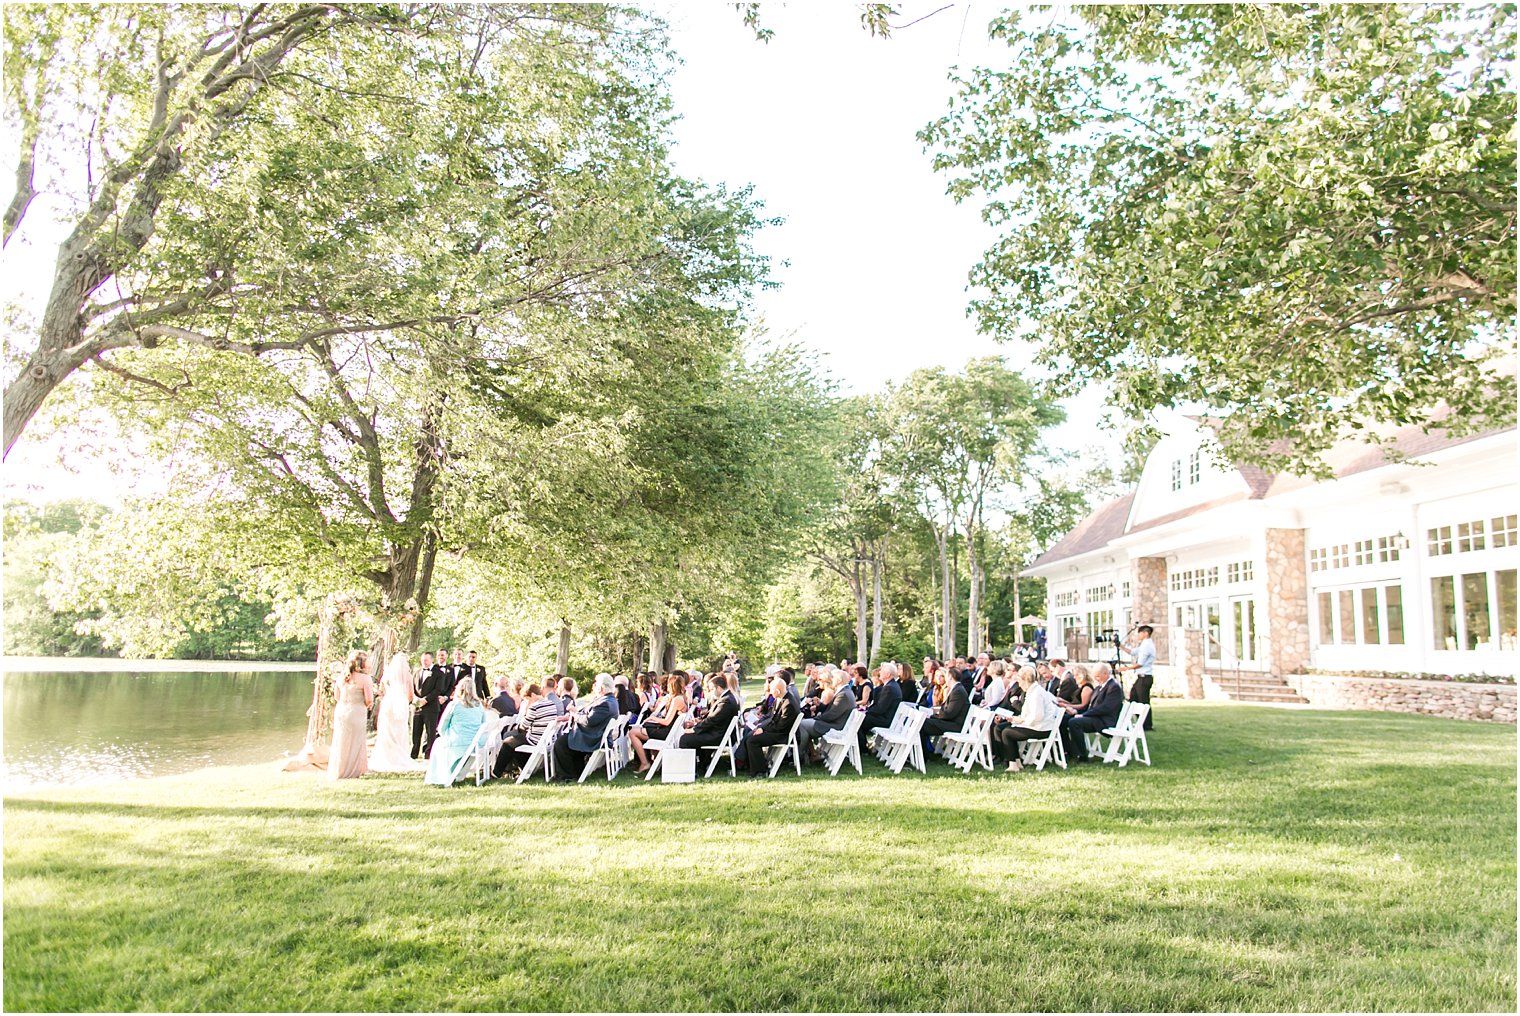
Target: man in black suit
949 716
437 689
1101 712
978 678
472 669
709 730
774 729
587 731
421 739
884 702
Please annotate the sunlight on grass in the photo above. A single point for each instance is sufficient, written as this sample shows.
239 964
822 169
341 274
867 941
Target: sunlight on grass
1316 866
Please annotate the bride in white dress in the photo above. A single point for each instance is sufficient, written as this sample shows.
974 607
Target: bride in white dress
393 730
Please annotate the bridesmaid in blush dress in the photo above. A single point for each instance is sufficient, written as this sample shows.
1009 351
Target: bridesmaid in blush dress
355 695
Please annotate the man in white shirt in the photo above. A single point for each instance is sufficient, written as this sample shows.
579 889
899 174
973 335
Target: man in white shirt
1144 668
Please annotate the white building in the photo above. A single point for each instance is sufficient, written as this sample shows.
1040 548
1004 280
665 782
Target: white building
1398 566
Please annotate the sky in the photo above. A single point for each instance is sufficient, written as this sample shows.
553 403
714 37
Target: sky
872 256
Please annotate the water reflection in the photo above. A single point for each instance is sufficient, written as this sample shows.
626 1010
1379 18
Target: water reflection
75 728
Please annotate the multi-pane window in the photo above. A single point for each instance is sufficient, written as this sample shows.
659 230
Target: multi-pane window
1466 537
1363 552
1373 550
1069 598
1195 467
1319 559
1388 548
1474 610
1370 615
1176 474
1126 590
1096 594
1099 621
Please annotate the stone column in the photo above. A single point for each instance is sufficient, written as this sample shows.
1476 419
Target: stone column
1151 601
1192 660
1287 602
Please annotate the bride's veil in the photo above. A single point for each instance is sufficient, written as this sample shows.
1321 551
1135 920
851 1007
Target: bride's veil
399 668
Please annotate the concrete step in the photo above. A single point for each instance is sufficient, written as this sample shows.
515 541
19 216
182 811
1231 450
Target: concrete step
1274 697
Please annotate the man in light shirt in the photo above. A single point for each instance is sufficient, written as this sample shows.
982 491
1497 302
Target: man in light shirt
1144 668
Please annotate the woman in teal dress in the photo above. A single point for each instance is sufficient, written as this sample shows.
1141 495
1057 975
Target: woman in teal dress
456 732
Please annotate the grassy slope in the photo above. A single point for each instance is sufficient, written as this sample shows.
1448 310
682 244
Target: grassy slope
1270 860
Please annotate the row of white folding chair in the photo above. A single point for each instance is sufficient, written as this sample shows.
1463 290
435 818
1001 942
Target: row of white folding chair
900 719
607 755
1126 739
901 745
970 745
659 744
844 743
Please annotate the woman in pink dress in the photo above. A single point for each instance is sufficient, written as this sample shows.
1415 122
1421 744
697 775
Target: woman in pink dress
356 694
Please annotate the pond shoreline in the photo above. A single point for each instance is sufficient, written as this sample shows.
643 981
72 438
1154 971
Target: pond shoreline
108 665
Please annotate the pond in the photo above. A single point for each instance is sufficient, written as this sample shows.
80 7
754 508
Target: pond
73 728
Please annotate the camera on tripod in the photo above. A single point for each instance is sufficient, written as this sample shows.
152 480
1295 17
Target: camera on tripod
1107 637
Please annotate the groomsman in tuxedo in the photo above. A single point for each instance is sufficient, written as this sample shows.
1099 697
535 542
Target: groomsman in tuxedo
474 670
438 689
420 679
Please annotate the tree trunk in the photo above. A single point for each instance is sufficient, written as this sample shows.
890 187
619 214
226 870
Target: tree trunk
670 655
639 645
657 648
1018 606
424 590
562 659
858 587
876 569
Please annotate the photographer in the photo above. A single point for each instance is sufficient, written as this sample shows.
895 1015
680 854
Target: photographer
1144 668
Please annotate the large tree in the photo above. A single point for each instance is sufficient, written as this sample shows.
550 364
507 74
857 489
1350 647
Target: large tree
1301 215
254 180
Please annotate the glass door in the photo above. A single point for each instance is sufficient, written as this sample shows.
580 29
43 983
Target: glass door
1243 618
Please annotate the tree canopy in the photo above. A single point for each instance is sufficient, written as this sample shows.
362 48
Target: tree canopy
1299 215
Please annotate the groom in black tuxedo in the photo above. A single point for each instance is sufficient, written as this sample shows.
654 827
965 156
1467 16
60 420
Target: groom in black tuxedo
436 691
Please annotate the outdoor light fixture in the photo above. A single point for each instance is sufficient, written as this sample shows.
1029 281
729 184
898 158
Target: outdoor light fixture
1400 540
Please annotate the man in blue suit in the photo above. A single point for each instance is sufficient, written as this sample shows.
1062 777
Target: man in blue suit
587 729
1101 712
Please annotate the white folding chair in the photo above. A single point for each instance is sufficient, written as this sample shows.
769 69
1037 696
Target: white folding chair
727 746
1127 740
899 720
659 744
491 749
606 749
617 750
970 745
844 743
903 745
1045 749
1094 739
540 754
469 764
777 753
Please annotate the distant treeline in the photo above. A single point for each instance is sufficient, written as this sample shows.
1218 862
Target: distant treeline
36 583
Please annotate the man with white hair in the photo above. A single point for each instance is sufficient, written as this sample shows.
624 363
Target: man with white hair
885 699
588 727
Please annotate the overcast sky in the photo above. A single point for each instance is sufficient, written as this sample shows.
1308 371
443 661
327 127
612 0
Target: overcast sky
873 255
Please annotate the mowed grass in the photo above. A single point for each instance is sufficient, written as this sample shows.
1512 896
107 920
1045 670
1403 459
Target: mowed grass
1270 860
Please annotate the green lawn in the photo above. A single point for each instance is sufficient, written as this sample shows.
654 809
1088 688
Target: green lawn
1282 860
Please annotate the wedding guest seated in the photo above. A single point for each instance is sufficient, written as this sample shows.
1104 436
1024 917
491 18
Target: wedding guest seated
628 702
551 692
508 691
568 689
534 718
1040 715
709 730
1101 712
1085 689
952 703
648 693
995 690
588 726
1071 687
456 731
657 726
862 685
774 729
835 707
885 699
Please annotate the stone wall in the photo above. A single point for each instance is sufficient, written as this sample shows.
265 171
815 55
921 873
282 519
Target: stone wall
1287 601
1151 600
1456 699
